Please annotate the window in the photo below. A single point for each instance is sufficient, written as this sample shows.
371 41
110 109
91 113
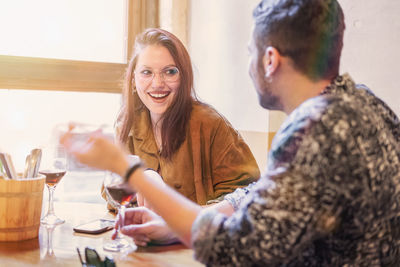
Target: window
64 61
40 31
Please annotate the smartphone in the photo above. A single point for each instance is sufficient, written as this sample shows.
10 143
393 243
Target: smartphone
97 226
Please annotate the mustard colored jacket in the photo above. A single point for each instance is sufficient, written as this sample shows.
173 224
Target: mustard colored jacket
212 161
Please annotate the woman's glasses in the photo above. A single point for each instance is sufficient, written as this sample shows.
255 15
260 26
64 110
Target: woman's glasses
168 75
93 259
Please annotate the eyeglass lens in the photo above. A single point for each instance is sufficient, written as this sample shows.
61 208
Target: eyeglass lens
170 74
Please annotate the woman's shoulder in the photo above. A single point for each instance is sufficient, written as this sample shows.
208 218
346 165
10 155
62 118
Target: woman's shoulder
206 115
205 112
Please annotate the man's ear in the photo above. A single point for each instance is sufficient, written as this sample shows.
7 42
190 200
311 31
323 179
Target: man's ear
271 60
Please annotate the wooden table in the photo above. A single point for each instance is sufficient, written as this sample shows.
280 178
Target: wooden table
57 247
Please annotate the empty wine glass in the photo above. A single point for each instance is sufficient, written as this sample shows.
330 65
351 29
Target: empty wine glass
54 166
120 195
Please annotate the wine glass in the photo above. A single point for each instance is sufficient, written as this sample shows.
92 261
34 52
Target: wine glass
54 167
49 252
120 195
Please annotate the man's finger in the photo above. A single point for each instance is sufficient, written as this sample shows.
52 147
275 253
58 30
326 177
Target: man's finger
141 238
114 234
140 200
137 229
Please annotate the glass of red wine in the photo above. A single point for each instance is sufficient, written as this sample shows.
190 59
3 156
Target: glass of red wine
120 195
54 166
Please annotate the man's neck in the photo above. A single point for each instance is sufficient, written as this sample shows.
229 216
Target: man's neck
298 89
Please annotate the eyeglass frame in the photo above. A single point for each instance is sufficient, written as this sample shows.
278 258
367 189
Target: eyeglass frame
94 259
160 73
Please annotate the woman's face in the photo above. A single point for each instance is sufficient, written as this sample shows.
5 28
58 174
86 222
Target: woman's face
157 79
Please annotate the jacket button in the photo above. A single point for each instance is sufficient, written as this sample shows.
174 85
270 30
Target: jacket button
177 186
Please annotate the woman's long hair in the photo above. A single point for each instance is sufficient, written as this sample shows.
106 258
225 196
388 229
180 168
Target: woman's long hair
176 117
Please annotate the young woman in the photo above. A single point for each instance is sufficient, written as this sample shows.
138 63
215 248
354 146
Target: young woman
193 147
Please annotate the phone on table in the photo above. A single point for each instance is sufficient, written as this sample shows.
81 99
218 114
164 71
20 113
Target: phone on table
97 226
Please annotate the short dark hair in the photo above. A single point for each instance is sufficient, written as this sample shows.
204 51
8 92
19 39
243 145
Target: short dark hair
310 32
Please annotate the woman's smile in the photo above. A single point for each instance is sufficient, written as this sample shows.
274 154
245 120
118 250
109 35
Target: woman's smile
159 95
157 79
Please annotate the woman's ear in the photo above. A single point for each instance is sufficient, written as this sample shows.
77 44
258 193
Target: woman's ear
271 60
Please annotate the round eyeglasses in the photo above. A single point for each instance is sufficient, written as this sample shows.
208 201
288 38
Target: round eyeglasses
168 75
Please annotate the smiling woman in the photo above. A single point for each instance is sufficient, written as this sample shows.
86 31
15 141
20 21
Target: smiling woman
156 81
193 147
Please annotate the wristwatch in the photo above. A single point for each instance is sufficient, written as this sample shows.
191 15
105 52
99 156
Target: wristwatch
132 169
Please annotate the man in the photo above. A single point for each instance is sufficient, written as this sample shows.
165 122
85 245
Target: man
330 196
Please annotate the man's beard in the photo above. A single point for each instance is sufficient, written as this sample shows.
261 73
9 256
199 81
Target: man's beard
265 96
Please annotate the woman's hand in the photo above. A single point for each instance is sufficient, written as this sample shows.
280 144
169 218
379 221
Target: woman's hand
145 226
152 174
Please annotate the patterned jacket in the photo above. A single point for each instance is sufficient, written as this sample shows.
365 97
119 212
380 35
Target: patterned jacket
330 195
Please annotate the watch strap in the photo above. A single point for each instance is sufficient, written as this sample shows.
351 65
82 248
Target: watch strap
132 169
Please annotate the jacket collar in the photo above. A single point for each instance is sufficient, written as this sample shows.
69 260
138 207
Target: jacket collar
341 83
142 132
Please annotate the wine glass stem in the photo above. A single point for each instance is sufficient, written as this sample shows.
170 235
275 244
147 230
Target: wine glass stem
50 241
50 211
121 215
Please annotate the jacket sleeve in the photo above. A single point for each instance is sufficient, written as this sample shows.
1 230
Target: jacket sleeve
233 164
301 198
267 230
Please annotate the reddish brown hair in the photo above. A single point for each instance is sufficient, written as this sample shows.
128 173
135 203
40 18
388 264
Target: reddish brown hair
176 117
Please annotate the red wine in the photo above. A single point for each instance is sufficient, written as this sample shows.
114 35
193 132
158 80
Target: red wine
120 192
53 176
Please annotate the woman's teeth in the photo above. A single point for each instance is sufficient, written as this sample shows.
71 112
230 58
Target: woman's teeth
158 95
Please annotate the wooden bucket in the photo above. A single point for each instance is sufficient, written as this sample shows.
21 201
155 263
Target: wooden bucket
20 208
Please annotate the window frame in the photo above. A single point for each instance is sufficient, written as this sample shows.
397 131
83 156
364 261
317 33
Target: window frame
32 73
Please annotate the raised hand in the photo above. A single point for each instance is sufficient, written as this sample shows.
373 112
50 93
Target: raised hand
96 151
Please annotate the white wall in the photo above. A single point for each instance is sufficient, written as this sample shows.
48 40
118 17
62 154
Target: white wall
371 46
219 34
220 30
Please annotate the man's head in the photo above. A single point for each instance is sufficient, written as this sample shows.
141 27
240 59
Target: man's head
308 32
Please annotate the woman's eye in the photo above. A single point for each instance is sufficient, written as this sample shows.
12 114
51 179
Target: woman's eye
146 73
171 71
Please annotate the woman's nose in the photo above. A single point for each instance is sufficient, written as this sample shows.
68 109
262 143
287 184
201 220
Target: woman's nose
158 80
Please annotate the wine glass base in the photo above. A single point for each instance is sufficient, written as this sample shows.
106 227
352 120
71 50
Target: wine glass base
116 245
51 220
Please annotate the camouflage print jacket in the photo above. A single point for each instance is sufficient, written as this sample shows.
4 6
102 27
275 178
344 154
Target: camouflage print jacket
330 196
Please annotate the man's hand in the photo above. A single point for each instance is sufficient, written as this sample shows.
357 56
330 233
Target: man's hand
143 225
96 151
